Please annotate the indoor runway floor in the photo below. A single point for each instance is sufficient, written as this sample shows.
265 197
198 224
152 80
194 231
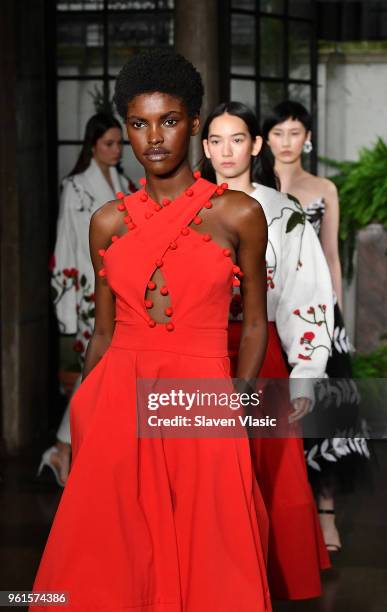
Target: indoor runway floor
357 582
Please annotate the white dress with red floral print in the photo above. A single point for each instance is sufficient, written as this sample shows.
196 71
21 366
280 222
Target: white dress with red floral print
299 289
72 277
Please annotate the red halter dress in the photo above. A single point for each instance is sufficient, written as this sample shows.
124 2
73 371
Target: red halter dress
158 525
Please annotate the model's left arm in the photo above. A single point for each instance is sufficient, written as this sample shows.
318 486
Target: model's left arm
329 237
304 313
252 232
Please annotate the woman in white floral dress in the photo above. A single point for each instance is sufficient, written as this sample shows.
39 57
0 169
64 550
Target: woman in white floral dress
332 462
297 280
95 179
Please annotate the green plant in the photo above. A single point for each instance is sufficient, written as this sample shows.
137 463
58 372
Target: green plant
362 187
99 101
371 365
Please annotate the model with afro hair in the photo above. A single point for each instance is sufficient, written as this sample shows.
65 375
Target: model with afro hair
157 533
162 71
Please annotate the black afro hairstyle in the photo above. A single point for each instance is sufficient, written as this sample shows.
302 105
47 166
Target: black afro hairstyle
163 71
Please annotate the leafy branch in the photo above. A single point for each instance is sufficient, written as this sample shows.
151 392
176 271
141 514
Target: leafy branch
362 187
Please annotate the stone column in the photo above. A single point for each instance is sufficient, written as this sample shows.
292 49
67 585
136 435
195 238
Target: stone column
24 222
196 37
371 320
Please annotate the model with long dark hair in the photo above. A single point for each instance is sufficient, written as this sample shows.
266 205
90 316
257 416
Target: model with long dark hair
297 279
95 178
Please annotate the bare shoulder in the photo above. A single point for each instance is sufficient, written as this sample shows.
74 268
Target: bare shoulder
105 220
325 187
106 216
239 207
330 189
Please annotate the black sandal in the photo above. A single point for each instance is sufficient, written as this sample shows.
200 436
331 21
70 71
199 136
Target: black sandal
331 548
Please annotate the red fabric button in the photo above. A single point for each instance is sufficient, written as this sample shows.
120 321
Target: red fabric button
236 269
168 312
148 214
142 181
148 304
119 195
185 231
157 207
208 205
226 252
152 323
236 282
102 272
197 174
164 290
170 326
101 252
197 220
189 192
173 246
144 197
120 207
165 201
159 263
220 191
151 285
224 186
131 225
206 237
114 238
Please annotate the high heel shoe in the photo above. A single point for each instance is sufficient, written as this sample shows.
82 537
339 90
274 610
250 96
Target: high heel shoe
331 548
45 462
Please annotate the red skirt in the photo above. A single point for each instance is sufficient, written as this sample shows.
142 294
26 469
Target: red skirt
297 551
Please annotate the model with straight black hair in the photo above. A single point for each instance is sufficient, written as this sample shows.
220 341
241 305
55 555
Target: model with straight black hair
262 167
232 146
288 131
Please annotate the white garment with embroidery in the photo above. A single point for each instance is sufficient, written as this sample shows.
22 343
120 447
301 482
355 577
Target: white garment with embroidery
299 289
72 278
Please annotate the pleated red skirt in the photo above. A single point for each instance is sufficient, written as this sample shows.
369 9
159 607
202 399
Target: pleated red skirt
297 552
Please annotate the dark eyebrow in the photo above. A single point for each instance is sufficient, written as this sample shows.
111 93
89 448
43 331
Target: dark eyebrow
171 112
176 112
237 134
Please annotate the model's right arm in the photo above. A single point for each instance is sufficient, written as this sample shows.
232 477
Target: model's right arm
101 229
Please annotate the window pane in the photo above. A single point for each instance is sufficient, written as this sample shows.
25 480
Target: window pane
272 45
243 91
128 36
300 8
131 5
243 4
242 44
77 102
67 157
271 94
79 45
299 50
301 93
87 5
273 6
